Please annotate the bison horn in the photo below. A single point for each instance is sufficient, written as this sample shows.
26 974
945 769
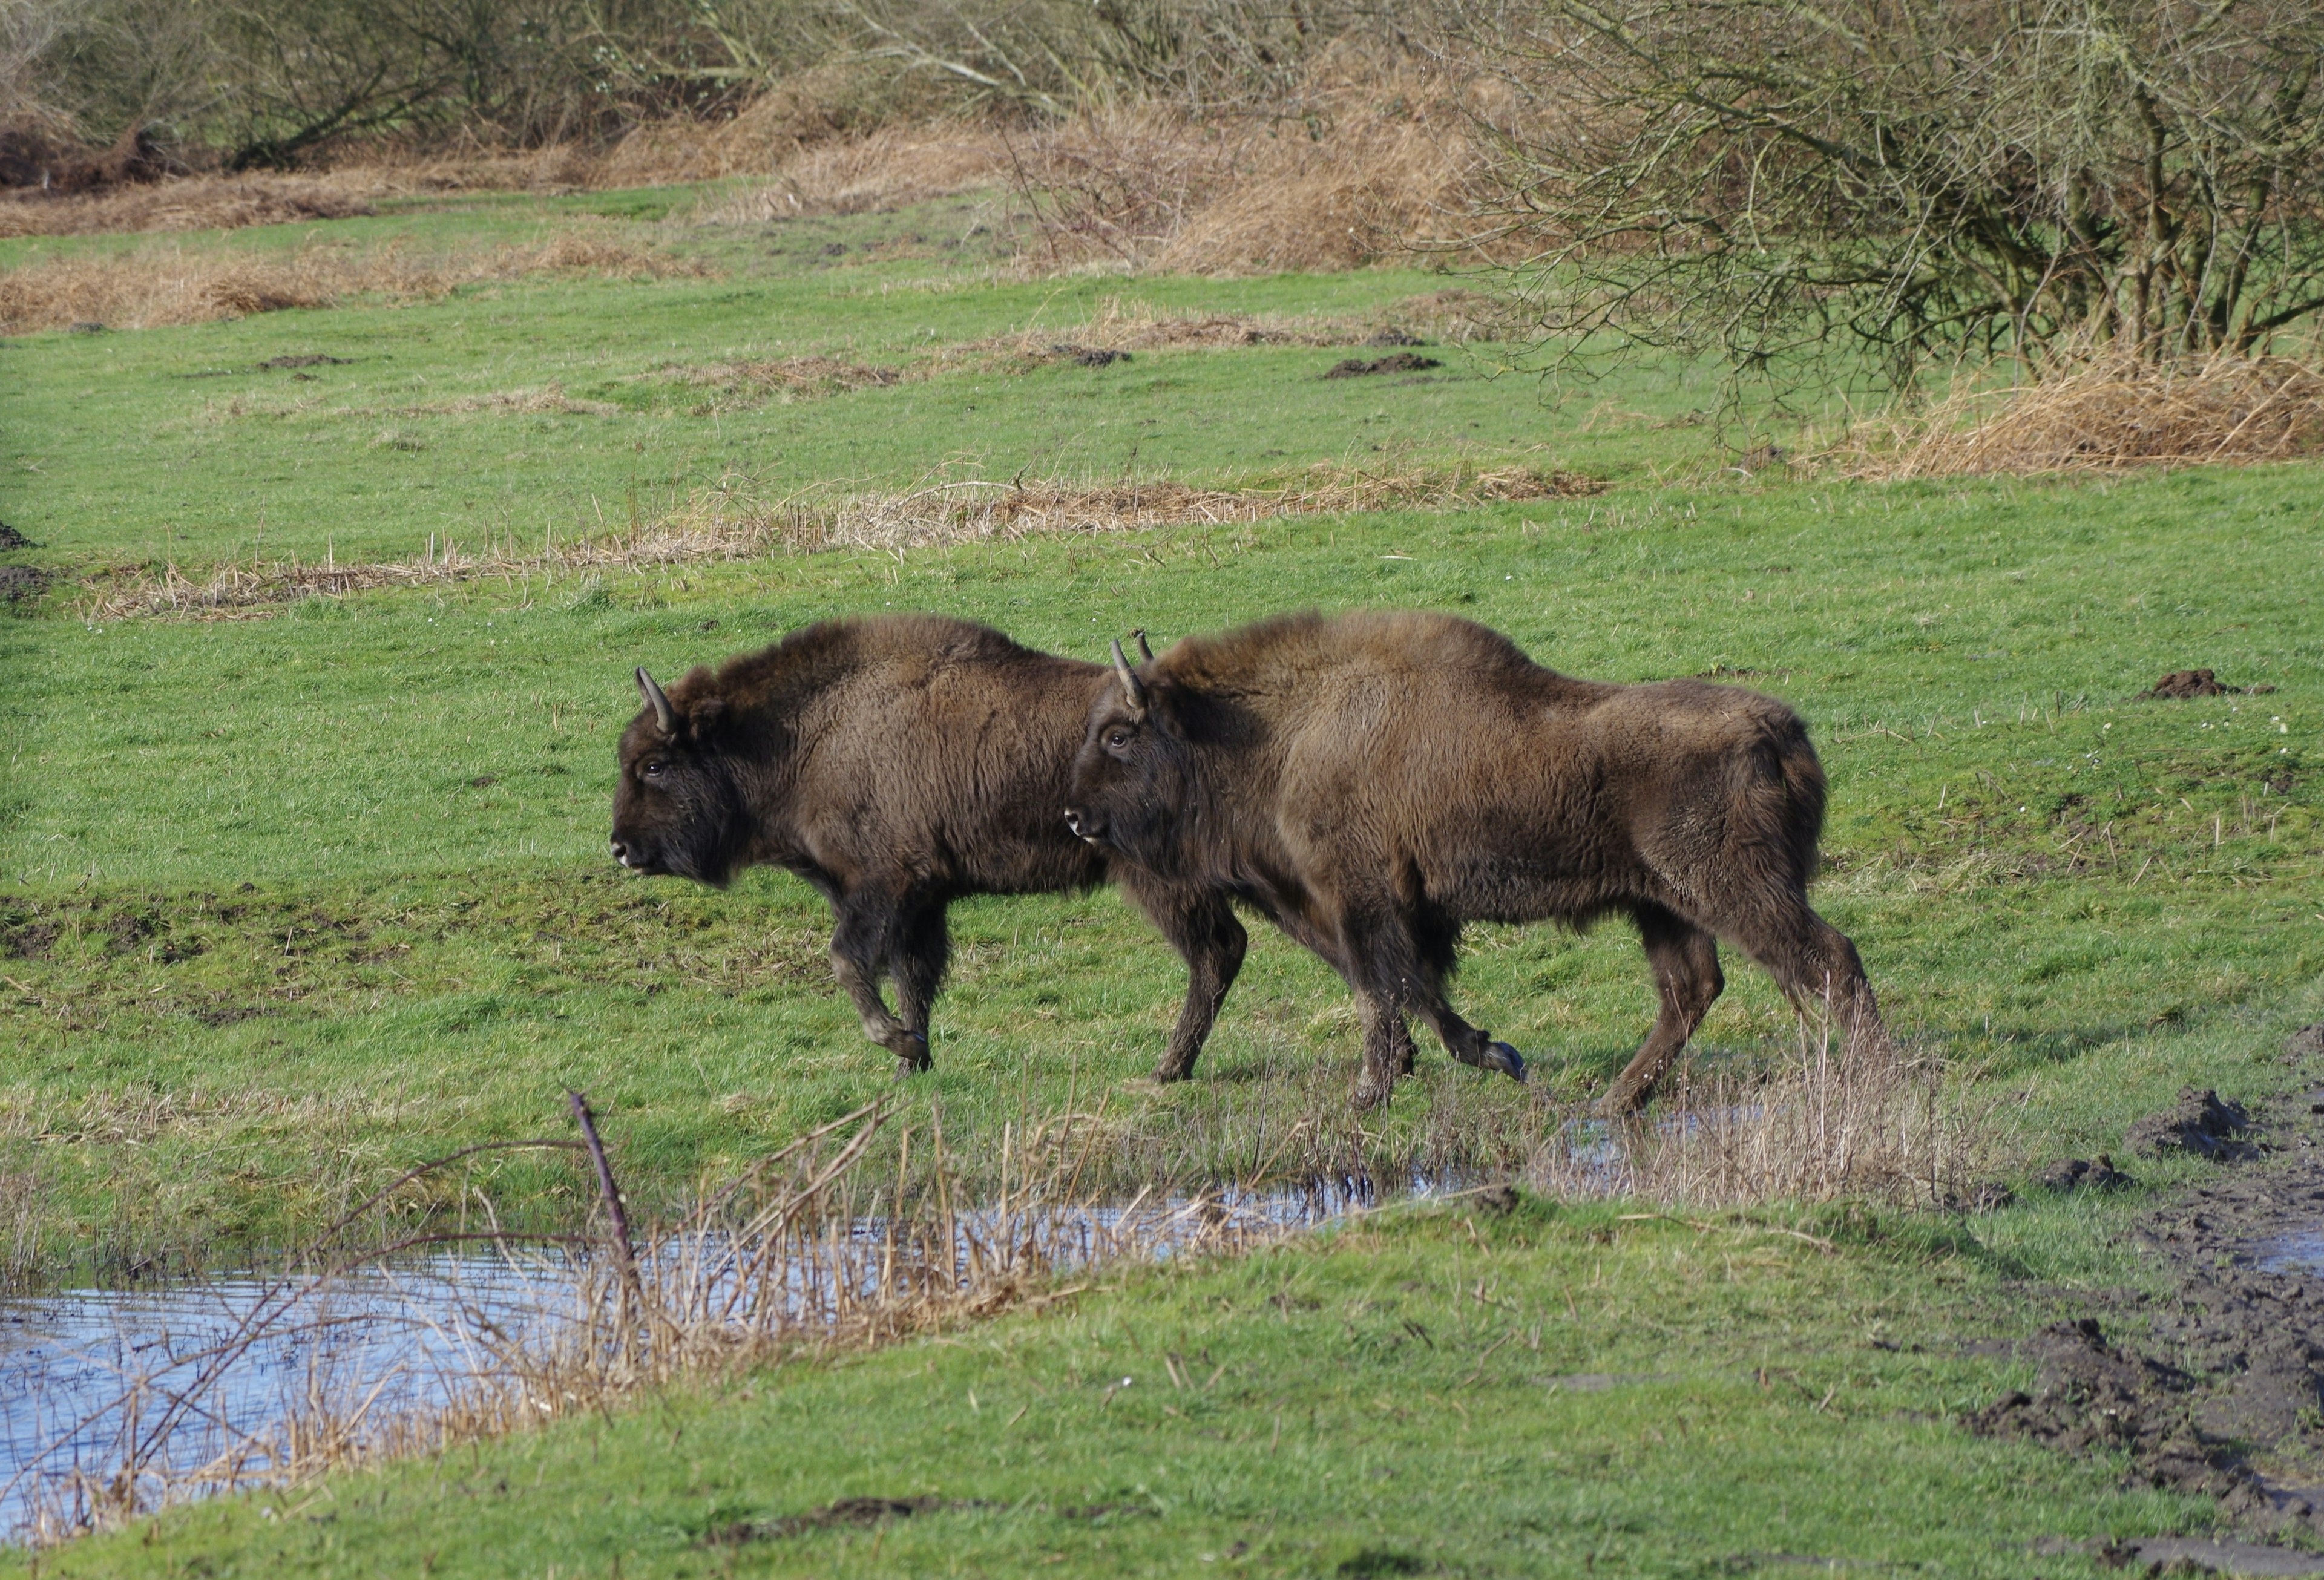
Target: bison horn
658 700
1145 653
1130 685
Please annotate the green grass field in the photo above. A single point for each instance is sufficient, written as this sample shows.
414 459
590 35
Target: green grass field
289 903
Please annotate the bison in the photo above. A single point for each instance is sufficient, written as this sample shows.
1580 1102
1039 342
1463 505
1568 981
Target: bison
897 763
1374 782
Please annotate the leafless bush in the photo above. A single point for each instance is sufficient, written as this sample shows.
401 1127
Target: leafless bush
2116 411
1804 191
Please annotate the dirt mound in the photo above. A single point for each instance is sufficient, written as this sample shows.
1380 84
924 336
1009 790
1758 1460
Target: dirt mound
11 538
2079 1174
2306 1043
2199 1123
2187 682
21 584
1403 362
843 1512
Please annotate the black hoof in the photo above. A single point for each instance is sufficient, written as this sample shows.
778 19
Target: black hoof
913 1057
1500 1056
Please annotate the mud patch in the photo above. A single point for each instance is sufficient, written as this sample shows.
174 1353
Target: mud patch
2218 1386
860 1513
11 538
1403 362
2199 1124
1089 357
2306 1043
310 360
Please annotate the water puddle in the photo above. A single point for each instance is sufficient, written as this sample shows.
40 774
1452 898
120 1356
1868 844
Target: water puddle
115 1398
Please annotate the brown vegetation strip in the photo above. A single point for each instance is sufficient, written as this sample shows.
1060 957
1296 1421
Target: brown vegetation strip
2107 414
165 283
727 524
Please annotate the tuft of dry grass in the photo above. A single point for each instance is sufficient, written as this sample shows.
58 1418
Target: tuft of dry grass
2107 414
165 283
1851 1118
187 203
732 522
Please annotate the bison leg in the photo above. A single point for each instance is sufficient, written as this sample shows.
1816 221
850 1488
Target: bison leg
860 946
1387 1048
919 950
1201 926
1686 962
1817 966
1401 963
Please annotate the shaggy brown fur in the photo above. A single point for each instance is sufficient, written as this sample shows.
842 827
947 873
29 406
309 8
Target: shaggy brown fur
895 762
1374 782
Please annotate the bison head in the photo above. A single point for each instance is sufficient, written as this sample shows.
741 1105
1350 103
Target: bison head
1133 780
678 810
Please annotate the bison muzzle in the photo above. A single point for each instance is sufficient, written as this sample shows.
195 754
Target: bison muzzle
1373 783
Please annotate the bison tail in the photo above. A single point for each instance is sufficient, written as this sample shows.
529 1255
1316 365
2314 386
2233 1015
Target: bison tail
1780 798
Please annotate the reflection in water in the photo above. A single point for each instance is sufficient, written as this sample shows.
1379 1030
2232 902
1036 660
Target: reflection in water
203 1385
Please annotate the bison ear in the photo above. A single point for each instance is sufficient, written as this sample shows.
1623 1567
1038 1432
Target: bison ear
1133 689
707 715
658 700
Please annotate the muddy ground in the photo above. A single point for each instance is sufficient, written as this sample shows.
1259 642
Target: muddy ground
2218 1386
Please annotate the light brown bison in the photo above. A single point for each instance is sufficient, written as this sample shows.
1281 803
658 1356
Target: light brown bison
897 763
1374 782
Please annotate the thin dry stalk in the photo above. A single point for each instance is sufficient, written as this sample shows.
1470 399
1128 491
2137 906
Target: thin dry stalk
2107 414
731 523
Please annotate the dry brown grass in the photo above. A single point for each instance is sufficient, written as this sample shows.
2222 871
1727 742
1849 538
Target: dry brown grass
166 282
734 522
2106 415
1861 1120
191 203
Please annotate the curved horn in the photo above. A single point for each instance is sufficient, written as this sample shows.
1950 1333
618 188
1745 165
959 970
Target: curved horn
658 700
1145 653
1130 685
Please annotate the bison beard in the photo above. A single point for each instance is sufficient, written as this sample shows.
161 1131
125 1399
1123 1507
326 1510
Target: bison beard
1373 782
897 763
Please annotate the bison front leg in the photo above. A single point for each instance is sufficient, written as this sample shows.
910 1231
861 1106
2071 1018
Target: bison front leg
860 946
1201 926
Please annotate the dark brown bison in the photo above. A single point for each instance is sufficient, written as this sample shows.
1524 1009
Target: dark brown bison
1373 783
895 762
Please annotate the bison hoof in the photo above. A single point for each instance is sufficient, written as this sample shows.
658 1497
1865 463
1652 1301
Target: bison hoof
1623 1101
1369 1094
1500 1056
911 1050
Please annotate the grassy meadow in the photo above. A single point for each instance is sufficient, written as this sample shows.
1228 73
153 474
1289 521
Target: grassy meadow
293 900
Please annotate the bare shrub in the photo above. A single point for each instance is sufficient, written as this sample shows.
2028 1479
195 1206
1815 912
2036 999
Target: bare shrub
1809 191
2118 411
169 283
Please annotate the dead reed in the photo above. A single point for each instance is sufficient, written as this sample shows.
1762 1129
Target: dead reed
1841 1119
2104 414
165 283
734 522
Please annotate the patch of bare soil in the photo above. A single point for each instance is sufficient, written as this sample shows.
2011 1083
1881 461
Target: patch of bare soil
2182 683
1403 362
2217 1387
861 1514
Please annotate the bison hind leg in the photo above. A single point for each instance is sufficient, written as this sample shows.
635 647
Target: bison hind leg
1685 963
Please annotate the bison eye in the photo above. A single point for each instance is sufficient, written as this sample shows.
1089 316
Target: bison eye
1117 740
653 770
